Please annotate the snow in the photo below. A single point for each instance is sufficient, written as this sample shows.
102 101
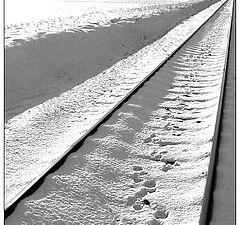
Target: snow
154 149
51 128
41 66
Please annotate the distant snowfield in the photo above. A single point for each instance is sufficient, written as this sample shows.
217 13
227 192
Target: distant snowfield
26 20
132 157
27 11
47 57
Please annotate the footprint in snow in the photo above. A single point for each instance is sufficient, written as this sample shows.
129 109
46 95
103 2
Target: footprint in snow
149 183
135 177
143 173
138 205
148 188
167 127
138 172
141 193
169 164
137 168
151 157
146 202
161 214
149 139
167 167
170 161
155 156
131 200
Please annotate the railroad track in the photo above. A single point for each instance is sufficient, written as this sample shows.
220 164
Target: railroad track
196 74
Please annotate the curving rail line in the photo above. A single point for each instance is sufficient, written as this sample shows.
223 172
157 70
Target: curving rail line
205 213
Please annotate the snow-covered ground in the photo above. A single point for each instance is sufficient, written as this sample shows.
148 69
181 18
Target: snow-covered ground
28 20
41 65
132 158
51 128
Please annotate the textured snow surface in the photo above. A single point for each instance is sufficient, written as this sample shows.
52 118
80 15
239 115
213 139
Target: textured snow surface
38 137
148 163
39 69
27 20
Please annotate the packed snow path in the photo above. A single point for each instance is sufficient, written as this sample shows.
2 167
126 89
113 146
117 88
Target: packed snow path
148 162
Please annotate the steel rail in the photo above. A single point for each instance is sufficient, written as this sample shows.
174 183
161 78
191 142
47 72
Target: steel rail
33 186
208 193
